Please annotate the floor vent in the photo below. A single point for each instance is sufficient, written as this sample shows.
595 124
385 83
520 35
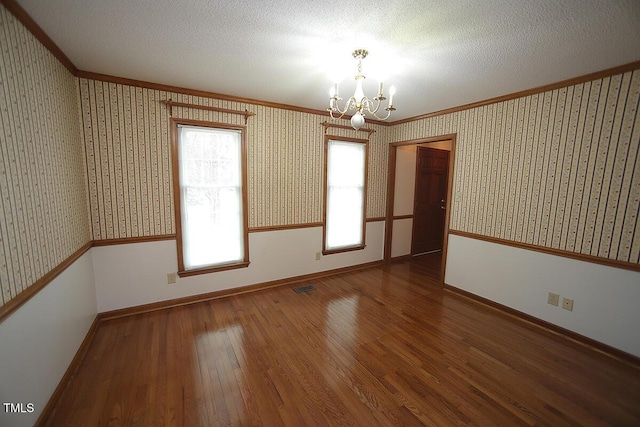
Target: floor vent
304 289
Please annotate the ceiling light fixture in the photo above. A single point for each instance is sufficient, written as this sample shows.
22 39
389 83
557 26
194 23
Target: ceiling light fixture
359 102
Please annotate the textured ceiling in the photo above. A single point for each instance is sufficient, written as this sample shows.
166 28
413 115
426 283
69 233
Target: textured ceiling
438 53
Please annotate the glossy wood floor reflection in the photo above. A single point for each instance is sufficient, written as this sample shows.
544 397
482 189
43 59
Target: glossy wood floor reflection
381 346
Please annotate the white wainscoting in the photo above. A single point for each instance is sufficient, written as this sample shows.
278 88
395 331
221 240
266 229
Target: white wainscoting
136 273
606 299
401 237
40 339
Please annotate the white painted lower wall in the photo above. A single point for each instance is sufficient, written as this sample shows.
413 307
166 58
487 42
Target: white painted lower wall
401 237
606 299
40 339
135 274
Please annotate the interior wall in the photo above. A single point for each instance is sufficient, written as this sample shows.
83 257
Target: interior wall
405 180
43 220
40 339
557 169
605 299
136 274
128 154
43 213
128 149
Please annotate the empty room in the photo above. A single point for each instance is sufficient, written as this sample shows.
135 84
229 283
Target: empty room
292 213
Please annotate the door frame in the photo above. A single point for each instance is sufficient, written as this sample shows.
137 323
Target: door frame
391 181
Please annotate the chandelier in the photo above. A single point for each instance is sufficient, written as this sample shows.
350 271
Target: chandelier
359 102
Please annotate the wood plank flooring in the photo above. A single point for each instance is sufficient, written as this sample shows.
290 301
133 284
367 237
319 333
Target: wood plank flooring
382 346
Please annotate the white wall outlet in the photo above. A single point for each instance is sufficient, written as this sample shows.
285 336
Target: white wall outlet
318 256
553 299
567 304
171 278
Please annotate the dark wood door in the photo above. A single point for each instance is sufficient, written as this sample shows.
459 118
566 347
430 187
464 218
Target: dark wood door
430 201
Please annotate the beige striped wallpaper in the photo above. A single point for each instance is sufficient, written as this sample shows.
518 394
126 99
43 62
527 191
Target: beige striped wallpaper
43 210
127 140
559 169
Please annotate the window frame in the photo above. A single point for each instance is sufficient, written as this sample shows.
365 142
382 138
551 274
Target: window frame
362 244
175 151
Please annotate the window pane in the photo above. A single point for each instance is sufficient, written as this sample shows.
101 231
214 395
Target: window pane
344 217
346 164
345 194
211 196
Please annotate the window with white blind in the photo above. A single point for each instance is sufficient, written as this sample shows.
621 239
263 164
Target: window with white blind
212 219
345 191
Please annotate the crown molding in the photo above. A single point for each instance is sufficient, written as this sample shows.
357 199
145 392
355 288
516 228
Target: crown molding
21 15
187 91
528 92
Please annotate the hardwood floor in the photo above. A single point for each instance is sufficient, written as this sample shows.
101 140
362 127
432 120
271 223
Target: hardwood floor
381 346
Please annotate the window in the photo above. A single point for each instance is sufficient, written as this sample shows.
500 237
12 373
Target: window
345 198
211 214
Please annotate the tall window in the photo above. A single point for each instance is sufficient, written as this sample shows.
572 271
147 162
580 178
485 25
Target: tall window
212 220
345 201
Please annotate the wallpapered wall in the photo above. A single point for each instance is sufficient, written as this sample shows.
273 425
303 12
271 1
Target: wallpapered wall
43 209
558 169
128 148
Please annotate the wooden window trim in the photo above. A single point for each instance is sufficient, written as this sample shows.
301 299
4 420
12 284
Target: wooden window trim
362 245
213 269
182 272
345 249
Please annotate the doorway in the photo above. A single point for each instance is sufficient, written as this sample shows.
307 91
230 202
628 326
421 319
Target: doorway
405 198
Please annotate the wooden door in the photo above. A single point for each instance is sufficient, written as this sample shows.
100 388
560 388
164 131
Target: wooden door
430 202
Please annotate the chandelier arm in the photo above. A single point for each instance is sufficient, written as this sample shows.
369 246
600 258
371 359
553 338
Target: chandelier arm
383 118
369 103
342 112
338 116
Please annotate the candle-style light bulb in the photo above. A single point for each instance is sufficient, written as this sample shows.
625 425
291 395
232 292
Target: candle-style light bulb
392 91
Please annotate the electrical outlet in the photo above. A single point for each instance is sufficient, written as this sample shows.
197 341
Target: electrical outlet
317 256
553 299
171 278
567 304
